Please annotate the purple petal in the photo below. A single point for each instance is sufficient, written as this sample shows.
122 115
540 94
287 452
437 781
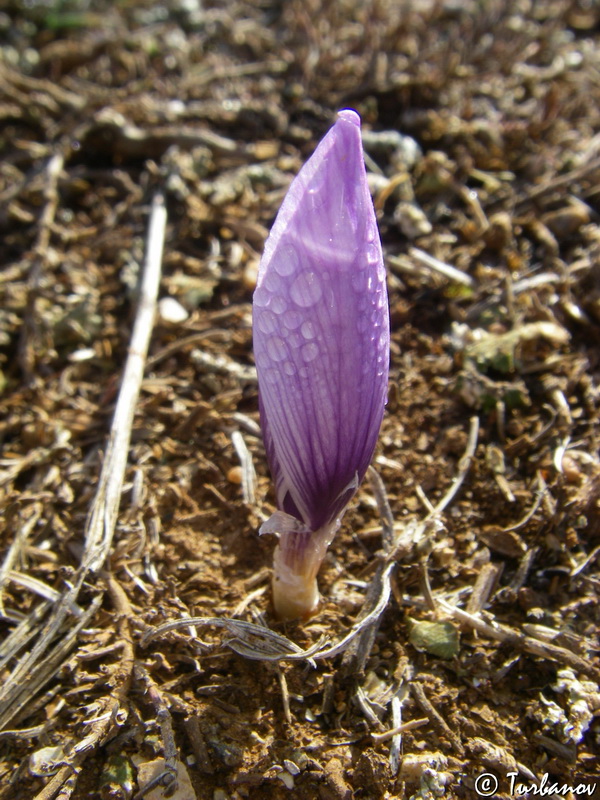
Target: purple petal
321 331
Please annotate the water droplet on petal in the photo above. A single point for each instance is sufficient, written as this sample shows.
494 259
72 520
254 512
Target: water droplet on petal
286 261
373 256
317 197
278 304
308 330
261 297
272 281
310 351
266 321
293 319
306 289
276 349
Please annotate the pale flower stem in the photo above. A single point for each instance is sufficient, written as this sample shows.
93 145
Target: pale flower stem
296 562
295 595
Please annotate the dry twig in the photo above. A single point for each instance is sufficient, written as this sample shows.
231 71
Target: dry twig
168 777
501 633
30 331
103 516
435 717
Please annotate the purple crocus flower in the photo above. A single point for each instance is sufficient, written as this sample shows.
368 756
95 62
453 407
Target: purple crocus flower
321 342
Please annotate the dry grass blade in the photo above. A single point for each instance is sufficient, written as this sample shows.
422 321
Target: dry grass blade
168 777
381 594
559 181
30 332
248 473
383 505
16 547
586 562
435 717
396 735
250 640
378 594
27 628
453 274
40 588
102 520
501 633
463 469
358 649
262 644
398 730
40 664
379 588
208 362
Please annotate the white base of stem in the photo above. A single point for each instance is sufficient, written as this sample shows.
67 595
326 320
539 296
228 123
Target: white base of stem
295 596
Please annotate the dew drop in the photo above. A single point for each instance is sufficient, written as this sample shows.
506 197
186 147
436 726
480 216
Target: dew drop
269 375
286 261
278 304
373 254
316 197
272 281
276 349
310 351
308 330
293 319
266 321
306 289
289 368
261 297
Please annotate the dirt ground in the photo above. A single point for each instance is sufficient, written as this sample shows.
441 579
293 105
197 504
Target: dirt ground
469 621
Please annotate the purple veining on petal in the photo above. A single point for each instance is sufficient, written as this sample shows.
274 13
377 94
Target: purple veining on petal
321 332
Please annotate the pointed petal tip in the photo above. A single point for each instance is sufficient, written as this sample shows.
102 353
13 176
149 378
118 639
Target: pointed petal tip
349 115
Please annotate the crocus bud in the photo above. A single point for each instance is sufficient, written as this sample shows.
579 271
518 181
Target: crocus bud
321 343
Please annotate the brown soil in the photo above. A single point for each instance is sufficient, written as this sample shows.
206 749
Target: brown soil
218 105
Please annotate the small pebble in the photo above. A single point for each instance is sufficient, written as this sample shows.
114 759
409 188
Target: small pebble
286 779
250 275
171 311
412 220
234 475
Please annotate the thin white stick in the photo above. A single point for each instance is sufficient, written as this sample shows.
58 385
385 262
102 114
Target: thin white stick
248 473
425 260
463 467
103 516
396 735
